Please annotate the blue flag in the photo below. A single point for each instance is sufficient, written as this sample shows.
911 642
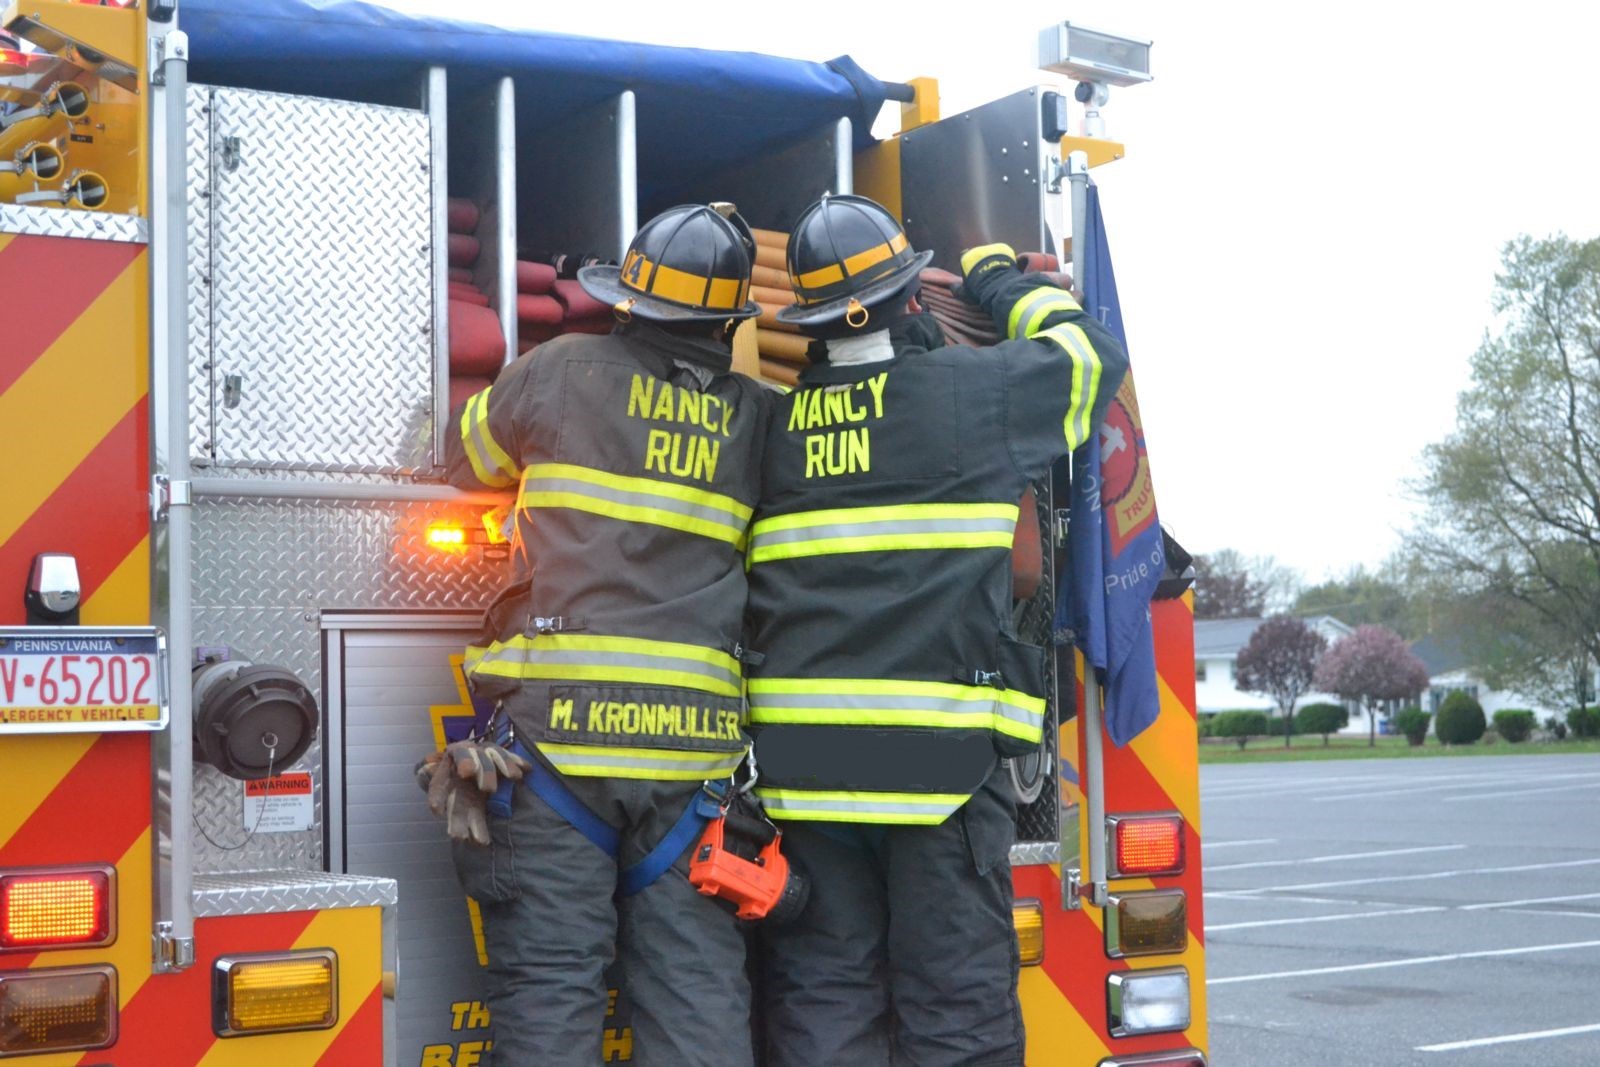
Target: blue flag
1114 536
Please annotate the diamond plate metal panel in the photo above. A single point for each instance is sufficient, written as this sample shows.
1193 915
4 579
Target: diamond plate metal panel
71 222
1033 852
322 282
258 892
197 133
263 571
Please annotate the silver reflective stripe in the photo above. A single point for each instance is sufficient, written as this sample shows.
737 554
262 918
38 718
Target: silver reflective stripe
871 528
713 763
660 502
978 704
621 660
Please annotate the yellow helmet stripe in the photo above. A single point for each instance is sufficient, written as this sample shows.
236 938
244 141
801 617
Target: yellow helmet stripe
655 279
861 261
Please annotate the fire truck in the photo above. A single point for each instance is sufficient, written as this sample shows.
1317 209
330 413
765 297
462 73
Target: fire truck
234 589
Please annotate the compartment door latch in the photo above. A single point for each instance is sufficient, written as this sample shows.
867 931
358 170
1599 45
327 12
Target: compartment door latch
166 494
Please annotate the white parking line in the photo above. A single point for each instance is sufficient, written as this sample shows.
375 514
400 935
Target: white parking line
1522 792
1412 961
1530 900
1532 1035
1553 911
1317 919
1238 844
1405 878
1461 781
1211 869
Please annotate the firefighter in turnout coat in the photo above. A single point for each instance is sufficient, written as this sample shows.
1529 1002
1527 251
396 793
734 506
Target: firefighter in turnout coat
613 653
892 682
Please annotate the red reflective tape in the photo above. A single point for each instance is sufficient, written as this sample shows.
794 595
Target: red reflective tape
1173 626
361 1039
52 280
169 1020
94 814
97 514
1131 788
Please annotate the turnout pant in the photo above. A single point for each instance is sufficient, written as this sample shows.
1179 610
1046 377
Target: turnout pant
905 953
552 924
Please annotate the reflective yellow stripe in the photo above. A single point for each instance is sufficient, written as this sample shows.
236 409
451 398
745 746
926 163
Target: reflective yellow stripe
1085 364
630 499
852 265
669 283
1028 312
625 660
896 703
926 809
901 527
656 764
489 461
972 256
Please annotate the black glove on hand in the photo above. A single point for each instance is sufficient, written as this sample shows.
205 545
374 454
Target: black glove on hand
984 270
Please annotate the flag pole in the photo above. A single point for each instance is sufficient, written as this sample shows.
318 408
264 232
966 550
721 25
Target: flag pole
1093 772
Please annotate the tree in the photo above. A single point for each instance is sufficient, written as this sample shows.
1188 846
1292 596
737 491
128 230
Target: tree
1513 494
1230 585
1362 596
1371 666
1280 660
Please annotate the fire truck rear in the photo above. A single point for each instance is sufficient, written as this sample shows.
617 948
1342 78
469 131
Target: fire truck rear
234 251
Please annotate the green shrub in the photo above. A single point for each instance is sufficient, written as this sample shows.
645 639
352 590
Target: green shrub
1584 722
1557 728
1514 724
1321 719
1413 722
1240 725
1204 723
1461 720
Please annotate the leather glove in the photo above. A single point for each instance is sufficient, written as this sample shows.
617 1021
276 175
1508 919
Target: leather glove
460 780
984 269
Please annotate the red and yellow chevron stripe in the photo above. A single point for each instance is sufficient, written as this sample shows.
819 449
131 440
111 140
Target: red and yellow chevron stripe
1064 999
73 428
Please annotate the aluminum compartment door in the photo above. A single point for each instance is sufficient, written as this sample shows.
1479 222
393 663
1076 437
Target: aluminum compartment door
983 175
322 284
397 689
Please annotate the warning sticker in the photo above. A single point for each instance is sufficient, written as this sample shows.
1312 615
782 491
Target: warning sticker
278 805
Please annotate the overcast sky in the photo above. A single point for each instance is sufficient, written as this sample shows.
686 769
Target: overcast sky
1305 230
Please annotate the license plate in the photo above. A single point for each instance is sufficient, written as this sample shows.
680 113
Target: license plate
80 679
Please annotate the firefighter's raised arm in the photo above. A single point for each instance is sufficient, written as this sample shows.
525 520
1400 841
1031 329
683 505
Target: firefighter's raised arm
1061 367
484 442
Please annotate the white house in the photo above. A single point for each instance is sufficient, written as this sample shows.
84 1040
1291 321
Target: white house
1450 668
1216 651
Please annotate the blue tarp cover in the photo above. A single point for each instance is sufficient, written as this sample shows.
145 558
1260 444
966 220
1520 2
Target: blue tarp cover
724 105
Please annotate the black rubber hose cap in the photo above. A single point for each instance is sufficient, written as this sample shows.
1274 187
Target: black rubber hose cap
260 720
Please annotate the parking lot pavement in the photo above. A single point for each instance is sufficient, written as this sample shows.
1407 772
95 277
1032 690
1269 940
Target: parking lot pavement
1440 912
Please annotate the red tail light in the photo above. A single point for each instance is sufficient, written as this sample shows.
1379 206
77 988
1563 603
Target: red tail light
41 909
1145 845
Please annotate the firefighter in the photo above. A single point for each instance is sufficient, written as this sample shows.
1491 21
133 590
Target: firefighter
613 655
892 681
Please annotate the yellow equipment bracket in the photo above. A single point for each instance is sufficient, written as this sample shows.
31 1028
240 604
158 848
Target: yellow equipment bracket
1098 149
877 167
108 41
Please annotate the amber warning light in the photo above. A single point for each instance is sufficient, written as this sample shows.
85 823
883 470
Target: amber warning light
56 908
447 538
1146 845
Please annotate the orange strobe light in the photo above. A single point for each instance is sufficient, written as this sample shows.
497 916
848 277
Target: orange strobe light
41 909
447 537
1145 845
